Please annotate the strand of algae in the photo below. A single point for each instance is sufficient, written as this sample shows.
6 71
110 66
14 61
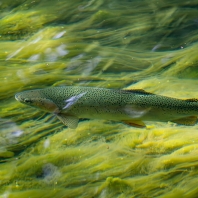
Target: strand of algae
82 161
100 159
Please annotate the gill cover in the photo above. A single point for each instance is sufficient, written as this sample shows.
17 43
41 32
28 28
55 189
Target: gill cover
36 99
46 105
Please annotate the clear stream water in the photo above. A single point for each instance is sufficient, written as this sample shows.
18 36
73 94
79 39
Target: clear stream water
149 45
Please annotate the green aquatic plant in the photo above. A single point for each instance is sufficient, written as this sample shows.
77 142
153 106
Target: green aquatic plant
149 45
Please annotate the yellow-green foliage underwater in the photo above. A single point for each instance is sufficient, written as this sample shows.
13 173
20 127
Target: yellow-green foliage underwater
148 44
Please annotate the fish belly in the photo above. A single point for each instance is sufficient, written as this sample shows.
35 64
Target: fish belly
108 113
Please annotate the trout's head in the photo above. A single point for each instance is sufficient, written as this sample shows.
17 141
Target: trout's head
36 99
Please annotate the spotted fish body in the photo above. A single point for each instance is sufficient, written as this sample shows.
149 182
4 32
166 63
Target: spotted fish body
70 103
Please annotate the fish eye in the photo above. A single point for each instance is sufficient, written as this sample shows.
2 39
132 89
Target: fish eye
26 100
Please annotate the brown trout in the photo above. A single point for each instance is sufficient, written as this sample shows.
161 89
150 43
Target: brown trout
70 103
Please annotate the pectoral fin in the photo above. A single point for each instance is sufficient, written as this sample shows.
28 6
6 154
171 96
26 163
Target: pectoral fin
68 120
135 123
191 120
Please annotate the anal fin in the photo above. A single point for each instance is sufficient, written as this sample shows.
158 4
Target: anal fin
189 121
68 120
135 123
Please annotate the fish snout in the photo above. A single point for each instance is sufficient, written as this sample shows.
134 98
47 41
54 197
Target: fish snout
17 97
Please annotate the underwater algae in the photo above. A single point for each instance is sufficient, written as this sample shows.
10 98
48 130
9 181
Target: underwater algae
148 45
106 163
159 161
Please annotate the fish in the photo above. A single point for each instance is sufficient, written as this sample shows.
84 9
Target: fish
132 107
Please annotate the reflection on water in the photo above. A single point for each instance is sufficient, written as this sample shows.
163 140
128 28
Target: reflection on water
149 45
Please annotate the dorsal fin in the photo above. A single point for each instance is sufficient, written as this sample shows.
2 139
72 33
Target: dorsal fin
191 100
138 91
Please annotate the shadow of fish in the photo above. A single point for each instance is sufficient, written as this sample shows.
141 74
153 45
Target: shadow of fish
70 103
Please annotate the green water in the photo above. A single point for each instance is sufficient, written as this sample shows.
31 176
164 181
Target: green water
151 45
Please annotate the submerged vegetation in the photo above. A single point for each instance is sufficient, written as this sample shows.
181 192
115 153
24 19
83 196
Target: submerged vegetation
149 45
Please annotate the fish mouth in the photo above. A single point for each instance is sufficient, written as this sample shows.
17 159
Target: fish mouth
17 97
